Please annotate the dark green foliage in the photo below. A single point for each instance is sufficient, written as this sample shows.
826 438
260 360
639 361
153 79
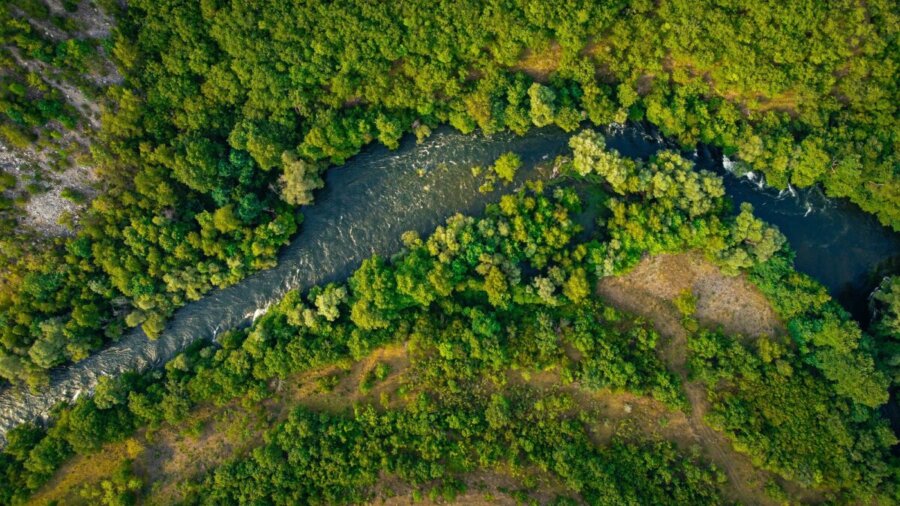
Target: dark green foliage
665 205
73 195
803 92
823 332
313 458
467 329
805 409
777 409
238 98
886 326
481 297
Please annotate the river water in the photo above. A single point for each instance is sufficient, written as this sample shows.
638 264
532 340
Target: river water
379 194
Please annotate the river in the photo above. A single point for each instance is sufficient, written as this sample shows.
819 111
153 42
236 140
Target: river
379 194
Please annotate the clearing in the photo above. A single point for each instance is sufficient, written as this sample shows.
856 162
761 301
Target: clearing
214 434
728 302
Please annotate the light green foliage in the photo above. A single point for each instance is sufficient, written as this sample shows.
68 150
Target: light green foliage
751 241
211 103
224 219
823 332
686 303
504 169
299 180
801 427
422 132
454 321
577 287
810 162
329 300
543 108
814 399
510 291
506 166
411 442
49 349
120 490
110 392
591 157
154 324
663 205
375 295
216 92
381 371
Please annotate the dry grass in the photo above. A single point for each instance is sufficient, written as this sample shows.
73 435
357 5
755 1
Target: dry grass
539 64
748 100
495 487
67 481
684 68
170 456
731 303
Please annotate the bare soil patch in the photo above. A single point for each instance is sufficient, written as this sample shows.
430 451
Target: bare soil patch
540 64
212 435
729 302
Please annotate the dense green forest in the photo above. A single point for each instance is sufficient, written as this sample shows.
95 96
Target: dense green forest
222 102
513 291
209 124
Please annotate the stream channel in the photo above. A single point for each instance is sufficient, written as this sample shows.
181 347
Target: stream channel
378 194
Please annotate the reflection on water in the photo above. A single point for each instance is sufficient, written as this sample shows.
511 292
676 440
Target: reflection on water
370 201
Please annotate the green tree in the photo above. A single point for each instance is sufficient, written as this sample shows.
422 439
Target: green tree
506 166
299 180
543 106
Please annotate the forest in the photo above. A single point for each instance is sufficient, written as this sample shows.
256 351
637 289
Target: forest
238 98
209 125
512 291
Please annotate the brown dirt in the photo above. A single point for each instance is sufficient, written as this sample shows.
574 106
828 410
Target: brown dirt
731 303
539 64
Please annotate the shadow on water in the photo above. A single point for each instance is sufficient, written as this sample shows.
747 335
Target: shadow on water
379 194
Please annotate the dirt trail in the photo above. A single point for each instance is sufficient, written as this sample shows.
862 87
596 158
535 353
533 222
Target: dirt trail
731 303
213 434
171 454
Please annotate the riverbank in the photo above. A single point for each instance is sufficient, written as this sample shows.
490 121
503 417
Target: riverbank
379 194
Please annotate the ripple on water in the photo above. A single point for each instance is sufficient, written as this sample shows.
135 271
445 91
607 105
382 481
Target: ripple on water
377 195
